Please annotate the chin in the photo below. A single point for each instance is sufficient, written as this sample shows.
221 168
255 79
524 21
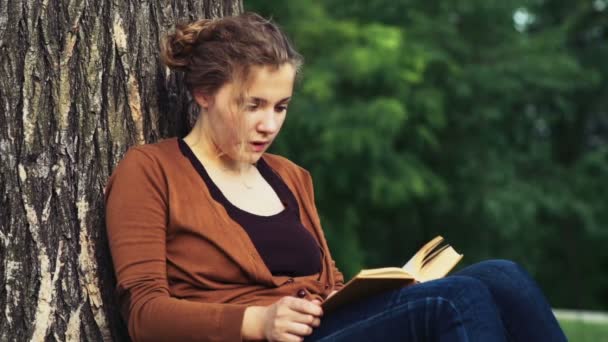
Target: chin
254 157
249 157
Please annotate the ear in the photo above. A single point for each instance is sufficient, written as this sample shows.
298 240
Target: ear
202 99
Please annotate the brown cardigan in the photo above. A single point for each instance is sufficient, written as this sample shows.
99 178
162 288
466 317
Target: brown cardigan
185 270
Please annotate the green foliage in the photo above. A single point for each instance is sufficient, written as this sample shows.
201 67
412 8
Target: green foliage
585 332
483 121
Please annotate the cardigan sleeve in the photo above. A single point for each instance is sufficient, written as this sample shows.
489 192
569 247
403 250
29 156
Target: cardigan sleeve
136 222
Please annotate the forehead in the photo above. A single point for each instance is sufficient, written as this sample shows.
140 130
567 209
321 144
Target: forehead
271 84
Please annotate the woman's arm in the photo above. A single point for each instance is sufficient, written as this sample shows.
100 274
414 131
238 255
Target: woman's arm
136 220
253 324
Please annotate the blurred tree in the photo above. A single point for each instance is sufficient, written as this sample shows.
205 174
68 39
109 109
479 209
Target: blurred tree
345 125
484 121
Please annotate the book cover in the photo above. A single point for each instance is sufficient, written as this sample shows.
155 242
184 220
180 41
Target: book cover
433 261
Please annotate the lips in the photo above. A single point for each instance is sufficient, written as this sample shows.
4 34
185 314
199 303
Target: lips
259 145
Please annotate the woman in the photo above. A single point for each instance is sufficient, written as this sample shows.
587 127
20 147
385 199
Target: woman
213 239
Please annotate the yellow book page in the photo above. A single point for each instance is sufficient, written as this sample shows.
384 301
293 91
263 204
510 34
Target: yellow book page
414 265
384 272
433 255
440 265
430 262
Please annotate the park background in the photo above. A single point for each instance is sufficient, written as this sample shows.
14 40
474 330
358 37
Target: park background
482 121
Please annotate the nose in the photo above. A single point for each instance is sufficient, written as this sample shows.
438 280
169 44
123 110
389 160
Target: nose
269 122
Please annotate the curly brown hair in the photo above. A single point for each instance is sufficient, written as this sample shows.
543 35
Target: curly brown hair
212 52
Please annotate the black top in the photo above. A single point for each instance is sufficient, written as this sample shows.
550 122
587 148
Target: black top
284 244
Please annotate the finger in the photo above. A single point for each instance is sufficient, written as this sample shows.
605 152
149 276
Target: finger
302 318
290 338
316 301
299 329
305 307
316 322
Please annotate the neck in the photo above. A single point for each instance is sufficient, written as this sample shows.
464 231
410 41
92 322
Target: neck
201 142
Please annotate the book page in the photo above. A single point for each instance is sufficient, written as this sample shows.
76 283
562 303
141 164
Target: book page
432 261
432 255
438 266
414 265
385 272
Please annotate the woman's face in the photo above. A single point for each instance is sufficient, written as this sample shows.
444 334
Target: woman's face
244 136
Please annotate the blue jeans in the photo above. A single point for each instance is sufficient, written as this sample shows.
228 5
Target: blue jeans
494 300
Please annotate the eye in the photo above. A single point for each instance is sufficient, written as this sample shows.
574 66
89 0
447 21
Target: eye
251 107
281 109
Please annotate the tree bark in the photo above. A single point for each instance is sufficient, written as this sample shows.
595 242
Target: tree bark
80 81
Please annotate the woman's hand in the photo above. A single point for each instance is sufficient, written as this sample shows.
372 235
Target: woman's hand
288 319
291 318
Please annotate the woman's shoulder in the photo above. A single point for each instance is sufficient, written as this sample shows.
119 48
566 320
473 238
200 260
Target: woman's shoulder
164 148
150 158
155 154
150 165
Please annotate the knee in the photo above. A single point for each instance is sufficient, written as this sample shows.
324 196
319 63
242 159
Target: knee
459 288
502 274
510 268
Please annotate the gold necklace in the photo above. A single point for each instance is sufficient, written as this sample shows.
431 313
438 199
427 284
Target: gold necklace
242 181
248 187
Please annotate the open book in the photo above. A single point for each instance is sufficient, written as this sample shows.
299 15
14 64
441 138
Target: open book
434 260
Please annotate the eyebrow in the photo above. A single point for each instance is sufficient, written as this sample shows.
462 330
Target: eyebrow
259 99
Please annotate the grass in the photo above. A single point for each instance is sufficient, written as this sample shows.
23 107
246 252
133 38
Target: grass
581 331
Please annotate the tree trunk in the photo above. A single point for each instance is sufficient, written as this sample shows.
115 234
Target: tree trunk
80 81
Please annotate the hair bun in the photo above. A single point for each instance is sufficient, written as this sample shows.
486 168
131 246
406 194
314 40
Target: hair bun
177 46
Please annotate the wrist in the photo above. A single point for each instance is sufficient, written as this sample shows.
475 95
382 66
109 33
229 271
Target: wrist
253 323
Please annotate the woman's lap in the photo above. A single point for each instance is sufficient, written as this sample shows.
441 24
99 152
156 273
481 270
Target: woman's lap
470 305
450 309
